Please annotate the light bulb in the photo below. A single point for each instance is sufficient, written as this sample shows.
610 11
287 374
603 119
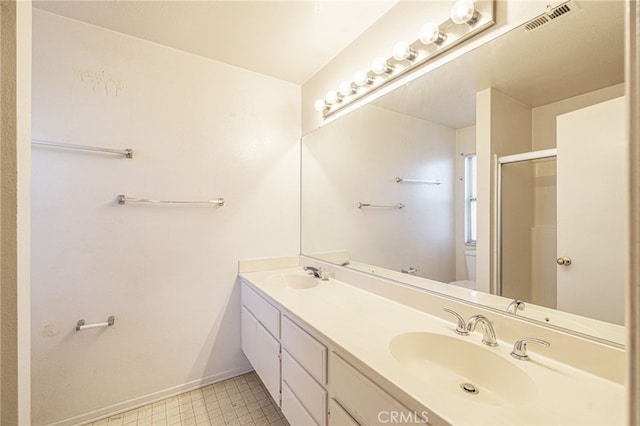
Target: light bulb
345 88
332 97
362 78
464 12
430 33
320 105
402 51
380 66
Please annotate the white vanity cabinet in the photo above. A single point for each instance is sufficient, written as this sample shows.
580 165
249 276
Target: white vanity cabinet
291 363
312 385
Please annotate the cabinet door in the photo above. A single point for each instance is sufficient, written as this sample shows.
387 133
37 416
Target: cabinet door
263 352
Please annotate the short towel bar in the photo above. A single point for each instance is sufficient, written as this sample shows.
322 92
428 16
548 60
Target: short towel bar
82 326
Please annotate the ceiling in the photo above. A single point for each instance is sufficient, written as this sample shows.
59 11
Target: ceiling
580 52
288 40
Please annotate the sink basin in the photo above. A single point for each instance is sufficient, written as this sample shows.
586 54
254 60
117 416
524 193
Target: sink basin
293 281
452 364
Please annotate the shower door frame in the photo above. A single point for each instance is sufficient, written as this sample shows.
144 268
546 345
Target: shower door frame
510 159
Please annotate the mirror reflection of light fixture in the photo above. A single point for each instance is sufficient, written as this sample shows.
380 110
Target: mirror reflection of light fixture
380 66
361 79
332 97
430 34
402 50
320 105
433 40
345 89
464 12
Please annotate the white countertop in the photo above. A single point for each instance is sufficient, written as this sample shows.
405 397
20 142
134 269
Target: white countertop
363 324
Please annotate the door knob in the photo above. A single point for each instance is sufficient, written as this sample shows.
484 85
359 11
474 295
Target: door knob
563 261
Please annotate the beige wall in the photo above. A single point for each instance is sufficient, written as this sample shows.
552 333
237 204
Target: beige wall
199 129
15 127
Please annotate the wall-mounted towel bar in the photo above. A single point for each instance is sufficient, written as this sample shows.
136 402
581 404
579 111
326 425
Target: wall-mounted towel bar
395 206
82 326
430 182
128 153
123 199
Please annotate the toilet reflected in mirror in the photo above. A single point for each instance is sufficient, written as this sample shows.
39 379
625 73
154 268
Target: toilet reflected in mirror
470 265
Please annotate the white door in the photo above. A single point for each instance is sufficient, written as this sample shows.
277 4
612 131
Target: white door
593 193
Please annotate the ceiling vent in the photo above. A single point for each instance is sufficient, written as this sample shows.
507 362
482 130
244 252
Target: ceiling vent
552 14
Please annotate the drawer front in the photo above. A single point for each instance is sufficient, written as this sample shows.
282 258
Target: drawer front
310 394
338 416
262 310
293 411
310 353
365 400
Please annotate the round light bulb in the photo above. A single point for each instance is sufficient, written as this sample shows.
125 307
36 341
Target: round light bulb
380 66
430 33
345 88
320 105
402 51
332 97
361 78
463 12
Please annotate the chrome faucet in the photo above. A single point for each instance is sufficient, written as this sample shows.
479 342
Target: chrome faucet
317 272
520 347
515 306
488 333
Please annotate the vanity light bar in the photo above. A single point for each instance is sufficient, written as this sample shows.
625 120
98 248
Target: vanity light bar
468 18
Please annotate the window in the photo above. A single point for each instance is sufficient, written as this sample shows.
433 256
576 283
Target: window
470 200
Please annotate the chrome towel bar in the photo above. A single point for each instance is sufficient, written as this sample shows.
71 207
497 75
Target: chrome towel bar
431 182
128 153
123 199
395 206
82 326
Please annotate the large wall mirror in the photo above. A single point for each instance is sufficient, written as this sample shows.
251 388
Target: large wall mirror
392 188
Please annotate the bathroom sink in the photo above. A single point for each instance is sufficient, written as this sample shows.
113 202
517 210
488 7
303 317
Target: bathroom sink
462 368
293 281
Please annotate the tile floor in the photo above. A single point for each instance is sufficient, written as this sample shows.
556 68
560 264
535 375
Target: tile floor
242 400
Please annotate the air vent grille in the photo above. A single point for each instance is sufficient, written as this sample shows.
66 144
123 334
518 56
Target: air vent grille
551 14
559 11
532 25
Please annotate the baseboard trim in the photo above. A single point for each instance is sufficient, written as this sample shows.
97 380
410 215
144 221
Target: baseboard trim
140 401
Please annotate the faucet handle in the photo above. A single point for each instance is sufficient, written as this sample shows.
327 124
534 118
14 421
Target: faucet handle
520 347
515 306
324 275
461 328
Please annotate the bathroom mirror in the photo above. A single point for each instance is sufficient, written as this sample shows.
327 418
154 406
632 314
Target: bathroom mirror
389 188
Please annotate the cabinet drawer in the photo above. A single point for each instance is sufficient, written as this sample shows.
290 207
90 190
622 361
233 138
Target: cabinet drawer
310 394
310 353
293 411
338 416
262 310
367 402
